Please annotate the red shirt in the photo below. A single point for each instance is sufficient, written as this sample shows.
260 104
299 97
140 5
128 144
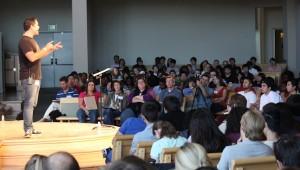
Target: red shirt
96 94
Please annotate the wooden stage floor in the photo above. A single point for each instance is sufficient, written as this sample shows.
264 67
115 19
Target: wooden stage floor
83 140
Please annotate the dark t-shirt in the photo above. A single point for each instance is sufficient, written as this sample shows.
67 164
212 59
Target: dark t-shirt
27 44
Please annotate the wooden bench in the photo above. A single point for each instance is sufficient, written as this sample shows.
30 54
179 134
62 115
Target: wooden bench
168 155
214 158
143 150
255 163
121 146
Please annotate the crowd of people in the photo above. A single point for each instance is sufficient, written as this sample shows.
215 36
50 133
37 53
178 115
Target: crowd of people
207 108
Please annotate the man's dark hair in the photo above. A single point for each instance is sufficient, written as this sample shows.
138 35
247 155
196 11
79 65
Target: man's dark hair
269 81
64 78
61 161
287 151
28 22
36 162
171 104
150 110
232 59
253 58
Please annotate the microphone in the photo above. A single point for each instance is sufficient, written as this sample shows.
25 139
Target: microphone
101 72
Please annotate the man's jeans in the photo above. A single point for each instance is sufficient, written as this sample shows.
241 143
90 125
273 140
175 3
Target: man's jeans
31 94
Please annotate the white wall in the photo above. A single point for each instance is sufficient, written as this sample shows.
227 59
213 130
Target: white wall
178 29
273 18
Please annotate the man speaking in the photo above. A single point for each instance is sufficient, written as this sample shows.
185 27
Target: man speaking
30 56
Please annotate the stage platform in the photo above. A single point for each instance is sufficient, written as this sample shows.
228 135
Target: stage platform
83 140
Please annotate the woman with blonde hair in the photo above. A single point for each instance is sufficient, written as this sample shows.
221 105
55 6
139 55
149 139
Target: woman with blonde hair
191 156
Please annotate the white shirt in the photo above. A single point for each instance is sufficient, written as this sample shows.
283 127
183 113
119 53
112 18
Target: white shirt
250 97
271 97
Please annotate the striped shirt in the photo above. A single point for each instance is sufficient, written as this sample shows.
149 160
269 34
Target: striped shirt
70 93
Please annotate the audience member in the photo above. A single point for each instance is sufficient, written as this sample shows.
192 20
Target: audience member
231 125
61 161
140 95
287 152
252 125
167 138
170 90
65 92
204 131
191 156
248 92
84 110
268 96
150 111
114 103
36 162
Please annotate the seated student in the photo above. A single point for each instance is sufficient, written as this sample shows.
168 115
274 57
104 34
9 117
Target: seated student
248 92
71 82
204 93
204 131
167 138
61 161
279 120
291 89
63 93
231 125
157 89
149 114
269 96
246 73
83 111
252 125
140 95
219 97
229 75
287 152
171 90
115 102
191 156
173 113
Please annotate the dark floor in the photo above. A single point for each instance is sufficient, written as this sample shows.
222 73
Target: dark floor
45 98
46 95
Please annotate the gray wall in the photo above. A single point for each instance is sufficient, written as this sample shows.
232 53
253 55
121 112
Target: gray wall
178 29
13 13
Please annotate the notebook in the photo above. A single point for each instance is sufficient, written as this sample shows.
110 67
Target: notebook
90 103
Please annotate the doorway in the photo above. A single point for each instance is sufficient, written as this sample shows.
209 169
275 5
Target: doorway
58 63
278 45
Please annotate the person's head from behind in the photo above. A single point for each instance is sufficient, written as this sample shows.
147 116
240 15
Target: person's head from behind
279 119
204 131
36 162
164 129
236 107
191 156
62 161
130 163
171 104
150 111
287 151
31 25
236 100
63 83
252 126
